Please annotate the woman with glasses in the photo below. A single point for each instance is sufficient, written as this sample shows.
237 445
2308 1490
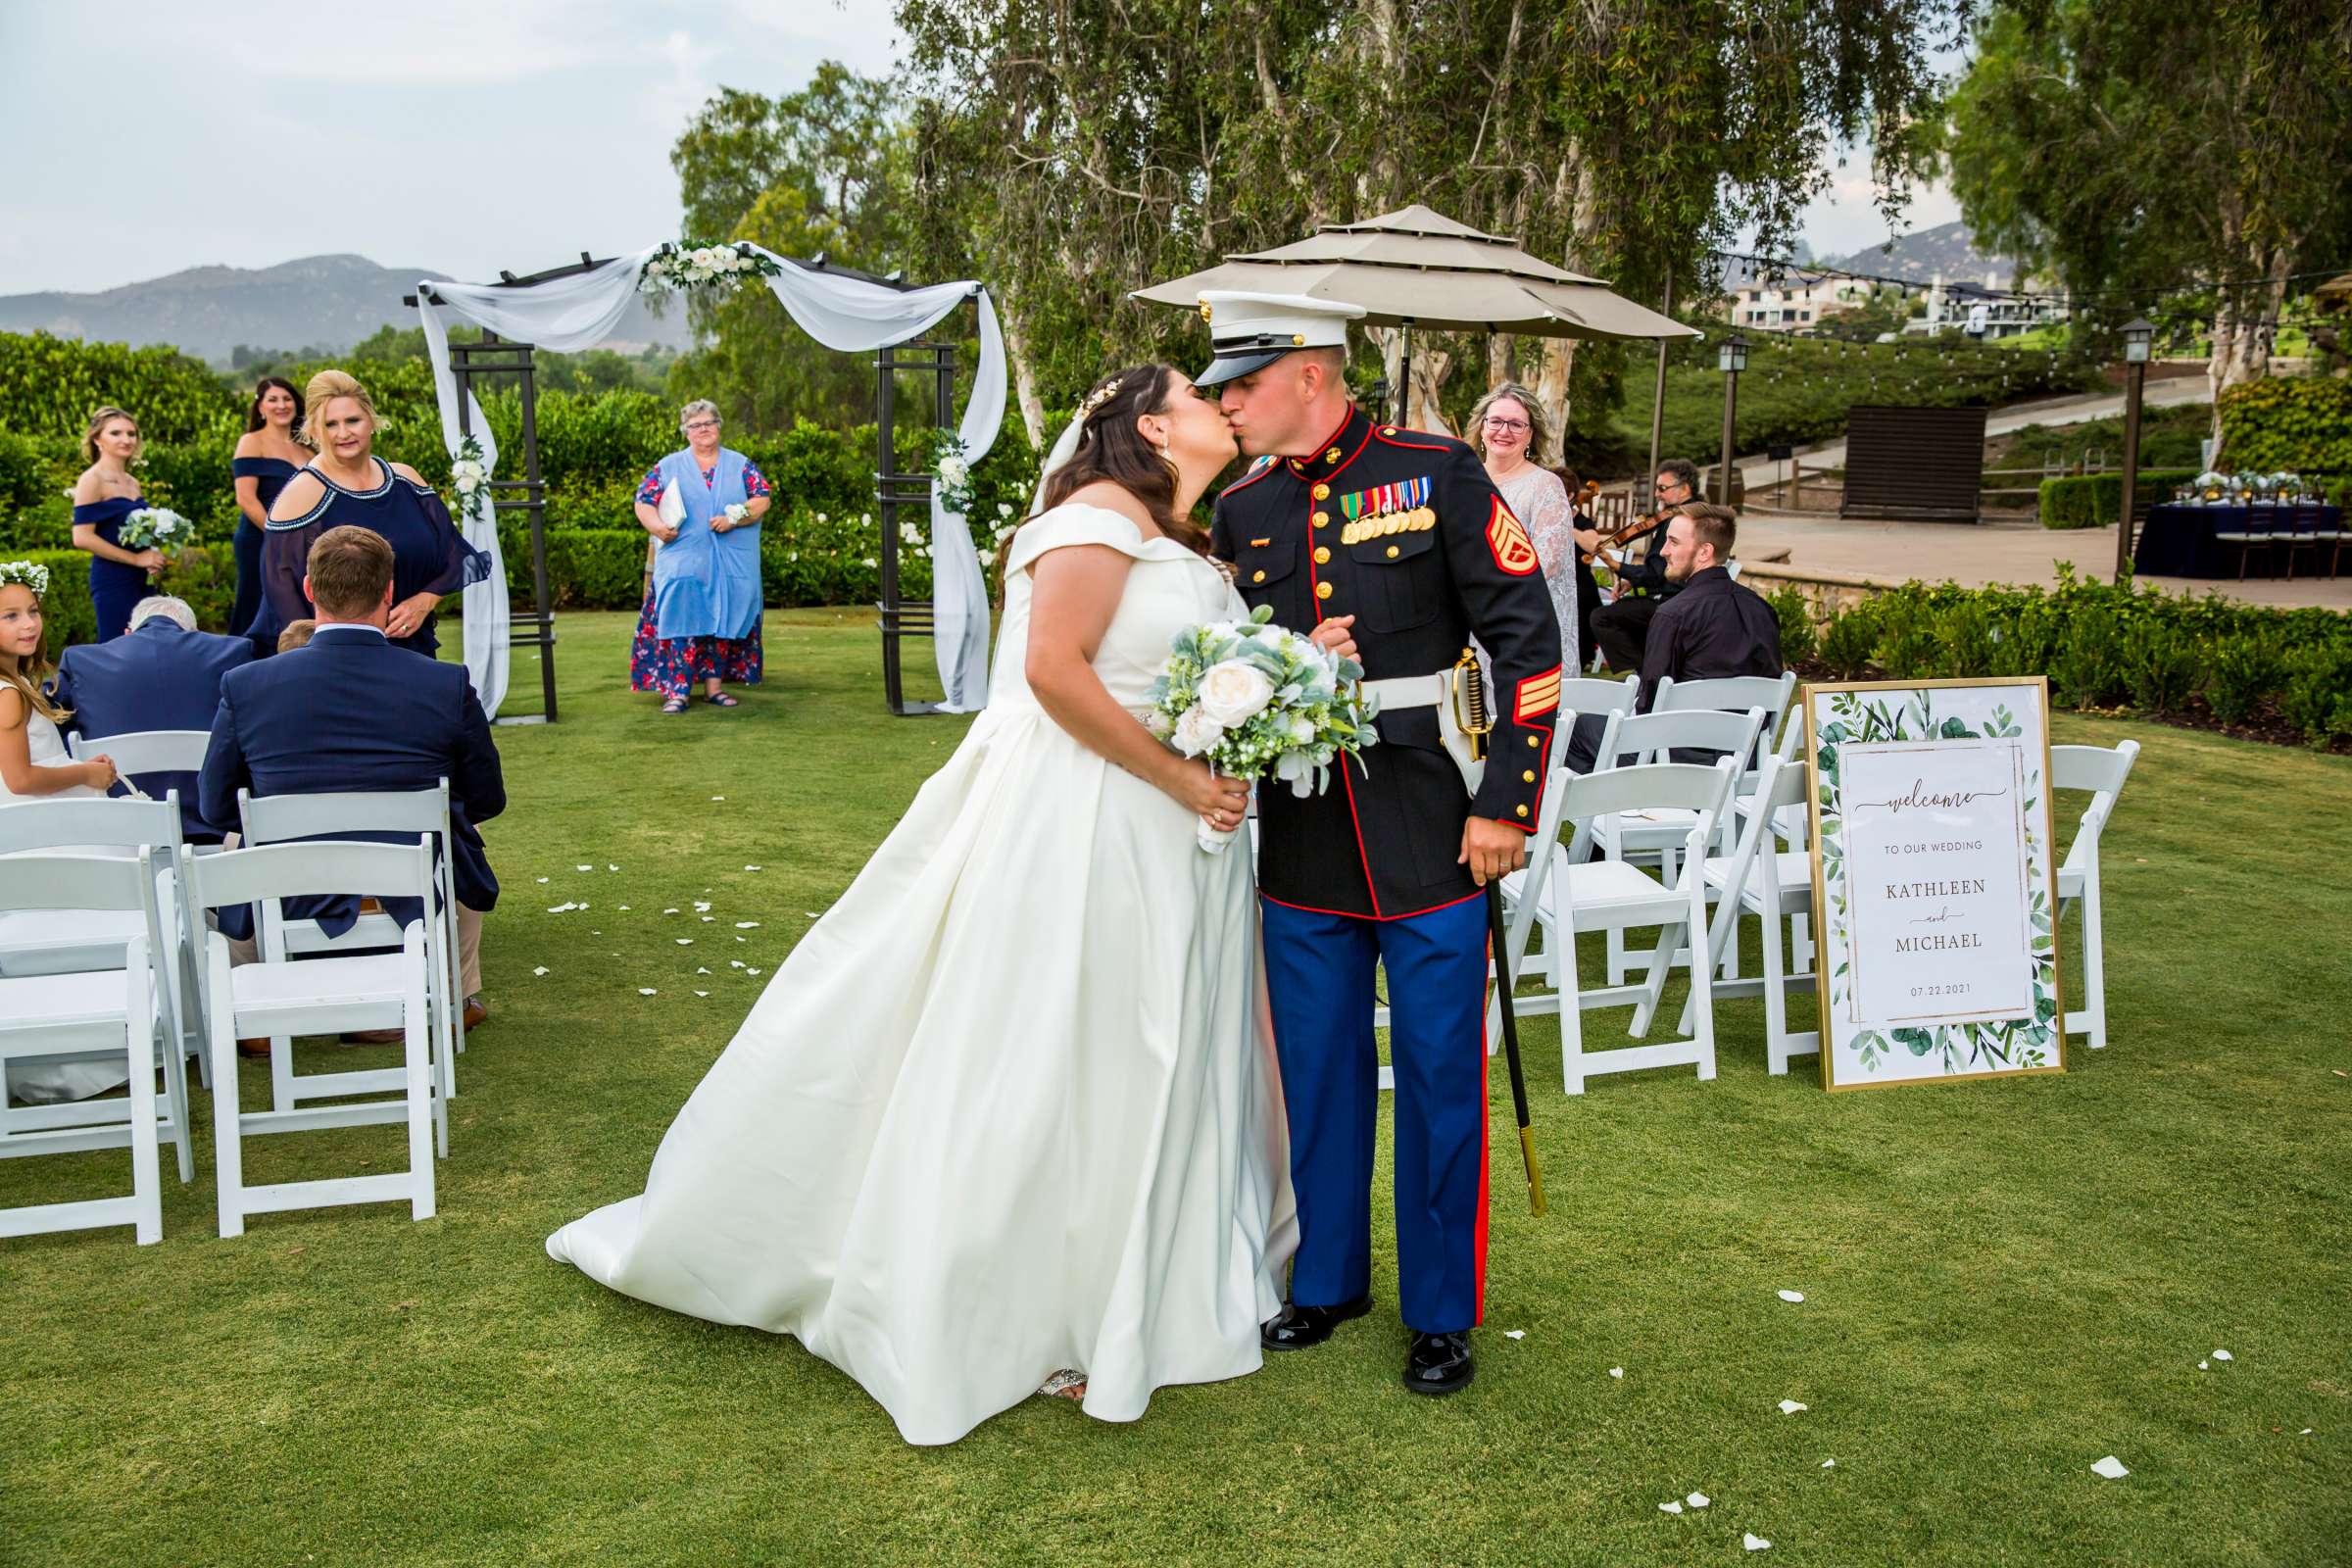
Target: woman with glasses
701 620
1510 432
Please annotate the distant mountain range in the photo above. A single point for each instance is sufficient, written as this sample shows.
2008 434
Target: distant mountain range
1948 251
324 302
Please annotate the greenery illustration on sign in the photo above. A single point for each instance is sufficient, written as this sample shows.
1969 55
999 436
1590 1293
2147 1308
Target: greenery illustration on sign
1994 1046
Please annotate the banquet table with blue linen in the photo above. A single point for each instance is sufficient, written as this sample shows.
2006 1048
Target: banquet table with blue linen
2177 541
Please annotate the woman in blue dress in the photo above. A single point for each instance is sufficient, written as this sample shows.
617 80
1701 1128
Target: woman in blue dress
266 456
700 618
102 497
348 485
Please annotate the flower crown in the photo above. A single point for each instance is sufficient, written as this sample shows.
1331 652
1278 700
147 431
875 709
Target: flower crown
31 574
1098 397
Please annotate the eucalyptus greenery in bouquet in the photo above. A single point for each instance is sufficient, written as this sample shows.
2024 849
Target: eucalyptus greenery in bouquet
154 528
1255 700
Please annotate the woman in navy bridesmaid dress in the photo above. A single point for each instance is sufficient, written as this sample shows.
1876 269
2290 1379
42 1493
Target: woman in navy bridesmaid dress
266 456
102 497
347 484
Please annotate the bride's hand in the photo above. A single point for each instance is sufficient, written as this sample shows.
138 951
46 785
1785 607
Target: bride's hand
1216 800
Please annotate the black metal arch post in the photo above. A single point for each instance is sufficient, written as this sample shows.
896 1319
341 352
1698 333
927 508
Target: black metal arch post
903 617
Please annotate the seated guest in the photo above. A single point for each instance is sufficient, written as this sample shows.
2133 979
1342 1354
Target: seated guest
355 713
348 485
1714 628
296 635
1622 625
166 674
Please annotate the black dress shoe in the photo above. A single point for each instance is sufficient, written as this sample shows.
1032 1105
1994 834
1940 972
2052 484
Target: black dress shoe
1297 1327
1438 1363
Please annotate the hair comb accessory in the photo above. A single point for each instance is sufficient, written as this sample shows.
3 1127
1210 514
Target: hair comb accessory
1098 397
29 573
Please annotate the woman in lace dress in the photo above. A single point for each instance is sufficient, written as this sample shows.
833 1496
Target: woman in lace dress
1510 433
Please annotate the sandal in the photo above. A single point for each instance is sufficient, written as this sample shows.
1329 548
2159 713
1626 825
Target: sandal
724 700
1064 1384
675 705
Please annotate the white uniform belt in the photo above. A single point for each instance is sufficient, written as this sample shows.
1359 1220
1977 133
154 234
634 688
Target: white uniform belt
1409 691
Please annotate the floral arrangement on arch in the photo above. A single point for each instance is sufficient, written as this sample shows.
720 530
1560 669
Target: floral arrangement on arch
688 265
470 476
954 486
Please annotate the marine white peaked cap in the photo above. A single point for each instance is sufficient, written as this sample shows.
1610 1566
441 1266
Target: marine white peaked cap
1250 331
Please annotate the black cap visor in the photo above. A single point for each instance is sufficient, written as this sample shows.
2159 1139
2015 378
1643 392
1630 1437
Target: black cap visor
1233 366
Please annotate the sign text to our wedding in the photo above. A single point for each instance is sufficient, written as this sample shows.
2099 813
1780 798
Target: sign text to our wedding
1934 890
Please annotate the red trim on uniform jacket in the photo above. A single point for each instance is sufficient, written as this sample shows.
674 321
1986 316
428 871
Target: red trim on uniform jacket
1343 914
1250 478
1431 440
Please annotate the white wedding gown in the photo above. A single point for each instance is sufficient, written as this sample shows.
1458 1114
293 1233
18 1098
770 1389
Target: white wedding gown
1012 1106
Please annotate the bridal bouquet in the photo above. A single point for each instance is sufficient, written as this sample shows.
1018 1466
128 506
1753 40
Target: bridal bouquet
152 528
1255 700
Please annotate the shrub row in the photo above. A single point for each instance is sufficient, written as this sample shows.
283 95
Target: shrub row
2095 500
2102 647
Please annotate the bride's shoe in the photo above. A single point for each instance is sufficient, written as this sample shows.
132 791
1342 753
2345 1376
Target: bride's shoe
1064 1384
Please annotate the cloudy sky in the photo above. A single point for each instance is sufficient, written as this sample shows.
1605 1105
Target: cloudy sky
149 136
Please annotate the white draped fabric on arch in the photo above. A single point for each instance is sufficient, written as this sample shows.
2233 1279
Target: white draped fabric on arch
578 310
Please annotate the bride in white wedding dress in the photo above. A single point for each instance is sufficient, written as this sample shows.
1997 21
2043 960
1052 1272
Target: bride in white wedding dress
1010 1111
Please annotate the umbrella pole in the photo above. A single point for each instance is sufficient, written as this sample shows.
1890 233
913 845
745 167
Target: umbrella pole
1405 373
1657 404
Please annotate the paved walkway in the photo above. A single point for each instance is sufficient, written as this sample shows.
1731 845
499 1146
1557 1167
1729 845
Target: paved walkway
1975 555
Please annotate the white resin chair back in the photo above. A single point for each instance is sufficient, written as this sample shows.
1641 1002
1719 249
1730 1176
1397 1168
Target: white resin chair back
146 751
2102 772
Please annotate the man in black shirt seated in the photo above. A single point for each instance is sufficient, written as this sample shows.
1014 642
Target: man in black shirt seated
1713 627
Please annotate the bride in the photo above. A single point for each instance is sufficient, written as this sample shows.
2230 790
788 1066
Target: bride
1006 1122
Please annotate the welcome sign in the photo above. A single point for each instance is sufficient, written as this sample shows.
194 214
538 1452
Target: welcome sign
1934 890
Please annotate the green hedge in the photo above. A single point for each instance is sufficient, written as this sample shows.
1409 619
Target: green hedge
2302 426
204 577
2095 500
805 559
2105 646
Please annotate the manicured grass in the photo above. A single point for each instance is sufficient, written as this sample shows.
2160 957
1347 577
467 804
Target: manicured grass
2004 1281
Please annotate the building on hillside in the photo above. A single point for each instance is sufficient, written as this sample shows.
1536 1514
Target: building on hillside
1984 311
1793 302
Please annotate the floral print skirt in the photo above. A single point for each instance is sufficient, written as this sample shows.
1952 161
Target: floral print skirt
672 665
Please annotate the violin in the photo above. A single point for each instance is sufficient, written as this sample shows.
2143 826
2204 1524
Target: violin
1625 535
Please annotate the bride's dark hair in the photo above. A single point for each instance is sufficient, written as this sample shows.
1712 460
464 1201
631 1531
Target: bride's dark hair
1110 449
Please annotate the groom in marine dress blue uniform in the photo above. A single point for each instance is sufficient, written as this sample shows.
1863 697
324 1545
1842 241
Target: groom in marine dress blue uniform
1394 545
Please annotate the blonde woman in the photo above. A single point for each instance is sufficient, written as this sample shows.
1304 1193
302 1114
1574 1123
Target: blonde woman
347 483
102 497
1510 432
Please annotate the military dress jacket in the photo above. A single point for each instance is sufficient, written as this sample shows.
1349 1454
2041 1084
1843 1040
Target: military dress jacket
1404 530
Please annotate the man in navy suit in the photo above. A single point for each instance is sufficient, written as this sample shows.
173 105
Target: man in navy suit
166 674
351 712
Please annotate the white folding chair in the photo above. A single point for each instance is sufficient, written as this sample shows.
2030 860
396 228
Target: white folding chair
2102 772
146 751
1592 696
1732 694
284 818
1576 895
321 995
1775 884
1658 832
63 942
78 1016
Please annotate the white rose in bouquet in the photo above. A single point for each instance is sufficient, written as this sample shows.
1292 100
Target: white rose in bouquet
1233 692
1196 732
1159 724
954 470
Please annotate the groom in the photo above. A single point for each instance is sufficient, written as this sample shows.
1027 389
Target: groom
1393 546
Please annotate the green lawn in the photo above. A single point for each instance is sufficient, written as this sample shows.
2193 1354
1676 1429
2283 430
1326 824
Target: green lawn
2004 1281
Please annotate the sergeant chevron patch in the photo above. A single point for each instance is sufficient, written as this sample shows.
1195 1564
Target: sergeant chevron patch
1538 694
1506 536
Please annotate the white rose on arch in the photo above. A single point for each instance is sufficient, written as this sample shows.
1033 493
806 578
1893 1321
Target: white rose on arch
1233 692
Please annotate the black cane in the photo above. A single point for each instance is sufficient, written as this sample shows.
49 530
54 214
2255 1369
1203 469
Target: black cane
1511 1044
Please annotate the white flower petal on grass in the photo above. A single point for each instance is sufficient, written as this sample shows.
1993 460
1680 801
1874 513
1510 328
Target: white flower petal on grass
750 971
2305 1433
583 868
543 879
701 905
565 909
743 939
669 911
699 969
702 993
710 920
1617 1372
811 914
753 868
2204 1366
718 797
2221 1355
609 866
734 963
1515 1334
1670 1507
646 991
745 925
541 969
1789 1407
1698 1499
624 908
1755 1542
1792 1295
1828 1464
683 942
2111 1467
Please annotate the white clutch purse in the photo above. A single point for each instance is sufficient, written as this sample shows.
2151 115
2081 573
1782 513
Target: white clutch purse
672 509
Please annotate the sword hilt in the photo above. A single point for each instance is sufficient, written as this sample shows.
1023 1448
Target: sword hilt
1470 702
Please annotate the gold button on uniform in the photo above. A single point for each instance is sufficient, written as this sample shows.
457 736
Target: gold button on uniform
1392 552
1387 429
1521 809
1322 492
1332 456
1322 518
1322 555
1322 590
1258 577
1528 777
1535 740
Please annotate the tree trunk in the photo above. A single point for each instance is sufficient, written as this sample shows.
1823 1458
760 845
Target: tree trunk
1430 366
1025 377
1502 355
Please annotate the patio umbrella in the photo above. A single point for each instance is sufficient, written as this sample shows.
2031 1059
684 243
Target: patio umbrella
1417 267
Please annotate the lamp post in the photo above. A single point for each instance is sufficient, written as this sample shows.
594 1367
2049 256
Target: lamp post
2138 335
1731 358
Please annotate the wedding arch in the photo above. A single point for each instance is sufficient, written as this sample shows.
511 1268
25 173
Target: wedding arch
574 307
